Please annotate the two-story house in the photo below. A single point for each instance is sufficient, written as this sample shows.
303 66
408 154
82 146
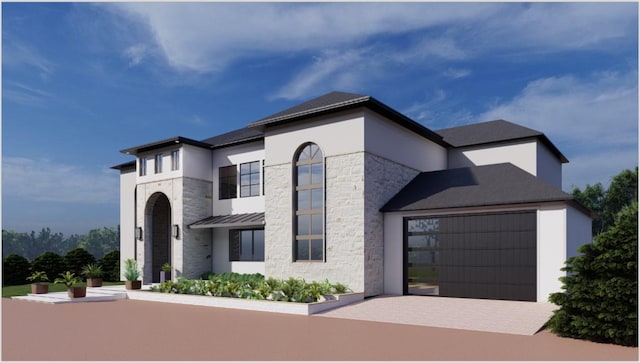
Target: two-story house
345 188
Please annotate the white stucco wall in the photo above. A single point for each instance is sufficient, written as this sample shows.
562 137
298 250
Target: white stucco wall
236 155
552 249
389 140
195 162
520 154
578 230
127 217
166 173
339 134
549 166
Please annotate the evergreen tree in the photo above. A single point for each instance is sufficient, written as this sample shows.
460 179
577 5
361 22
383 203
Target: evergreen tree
600 298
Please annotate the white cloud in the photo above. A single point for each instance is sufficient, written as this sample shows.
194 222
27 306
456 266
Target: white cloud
24 94
456 73
16 53
135 54
593 120
48 181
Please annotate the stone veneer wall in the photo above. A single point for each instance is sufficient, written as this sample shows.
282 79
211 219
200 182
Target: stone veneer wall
344 223
190 201
385 178
196 243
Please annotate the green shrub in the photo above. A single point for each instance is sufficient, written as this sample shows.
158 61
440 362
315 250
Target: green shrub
131 272
249 286
51 263
601 288
76 259
15 270
110 264
38 277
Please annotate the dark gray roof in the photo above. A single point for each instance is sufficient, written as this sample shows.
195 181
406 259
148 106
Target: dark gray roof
492 132
340 101
234 137
129 165
230 220
164 143
478 186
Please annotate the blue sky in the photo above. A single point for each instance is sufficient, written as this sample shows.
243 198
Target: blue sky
81 81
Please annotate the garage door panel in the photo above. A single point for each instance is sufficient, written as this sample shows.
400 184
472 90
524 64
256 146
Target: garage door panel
479 256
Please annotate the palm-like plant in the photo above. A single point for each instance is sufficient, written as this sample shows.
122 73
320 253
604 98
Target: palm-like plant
38 277
92 271
68 279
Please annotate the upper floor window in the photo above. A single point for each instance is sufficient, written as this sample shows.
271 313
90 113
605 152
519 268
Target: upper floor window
158 163
143 166
175 160
250 179
228 183
309 204
246 245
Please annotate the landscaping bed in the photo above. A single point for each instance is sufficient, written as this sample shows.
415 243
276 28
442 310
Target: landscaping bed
252 292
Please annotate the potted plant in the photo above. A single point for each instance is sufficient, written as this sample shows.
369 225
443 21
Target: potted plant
165 273
132 274
93 273
37 282
69 280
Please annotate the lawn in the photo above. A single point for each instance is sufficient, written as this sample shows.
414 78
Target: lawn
24 290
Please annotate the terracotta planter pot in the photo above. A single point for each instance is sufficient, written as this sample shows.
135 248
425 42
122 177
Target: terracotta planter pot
75 292
165 276
39 288
133 285
94 282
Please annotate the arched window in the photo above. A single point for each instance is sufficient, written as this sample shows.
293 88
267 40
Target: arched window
308 219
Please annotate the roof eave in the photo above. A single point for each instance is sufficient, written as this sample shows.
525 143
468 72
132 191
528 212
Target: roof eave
164 143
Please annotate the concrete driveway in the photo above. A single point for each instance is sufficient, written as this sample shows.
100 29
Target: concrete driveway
496 316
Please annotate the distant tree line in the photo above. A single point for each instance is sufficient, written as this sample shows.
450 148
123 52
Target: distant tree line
98 242
606 204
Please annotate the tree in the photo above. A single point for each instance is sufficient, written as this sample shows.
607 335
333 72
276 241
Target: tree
51 263
15 270
607 203
600 298
76 259
100 241
111 266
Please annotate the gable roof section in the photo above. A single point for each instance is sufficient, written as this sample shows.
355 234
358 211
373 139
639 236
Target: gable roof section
478 186
493 132
340 101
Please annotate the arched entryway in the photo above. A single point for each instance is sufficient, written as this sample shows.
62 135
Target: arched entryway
158 244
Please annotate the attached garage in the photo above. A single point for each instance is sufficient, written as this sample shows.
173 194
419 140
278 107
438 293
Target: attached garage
470 233
490 255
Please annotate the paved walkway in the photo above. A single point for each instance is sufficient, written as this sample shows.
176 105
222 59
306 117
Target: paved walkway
497 316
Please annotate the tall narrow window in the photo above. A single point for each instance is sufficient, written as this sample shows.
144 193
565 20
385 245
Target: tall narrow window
158 163
143 166
309 204
250 179
228 185
175 160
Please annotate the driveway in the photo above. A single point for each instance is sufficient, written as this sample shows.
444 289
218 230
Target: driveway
139 330
496 316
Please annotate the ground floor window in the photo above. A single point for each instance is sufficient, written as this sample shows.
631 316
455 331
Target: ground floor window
246 245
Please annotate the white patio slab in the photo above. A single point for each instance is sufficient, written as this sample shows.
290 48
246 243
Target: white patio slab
93 294
497 316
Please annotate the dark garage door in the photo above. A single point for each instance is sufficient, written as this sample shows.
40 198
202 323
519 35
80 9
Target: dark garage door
490 256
